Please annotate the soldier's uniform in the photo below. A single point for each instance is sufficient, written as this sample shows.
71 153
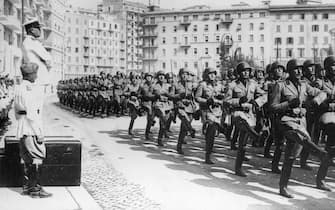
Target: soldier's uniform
186 106
244 95
162 104
210 96
288 99
131 92
146 93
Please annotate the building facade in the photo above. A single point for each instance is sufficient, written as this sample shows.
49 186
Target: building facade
92 43
192 37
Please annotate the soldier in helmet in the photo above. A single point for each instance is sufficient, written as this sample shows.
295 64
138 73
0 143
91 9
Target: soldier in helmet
210 95
242 97
288 101
185 106
173 115
162 104
118 92
131 91
147 96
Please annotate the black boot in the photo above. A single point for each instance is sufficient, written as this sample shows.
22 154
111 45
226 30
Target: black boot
303 160
238 163
180 149
267 147
131 124
322 173
275 161
284 178
208 159
26 168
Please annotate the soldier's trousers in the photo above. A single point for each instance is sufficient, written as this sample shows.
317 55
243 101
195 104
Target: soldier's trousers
210 133
185 126
150 119
163 116
310 118
133 112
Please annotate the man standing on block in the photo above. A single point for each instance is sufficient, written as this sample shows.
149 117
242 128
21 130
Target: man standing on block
29 131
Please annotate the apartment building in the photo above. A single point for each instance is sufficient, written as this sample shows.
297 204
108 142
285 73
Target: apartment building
130 16
192 37
92 43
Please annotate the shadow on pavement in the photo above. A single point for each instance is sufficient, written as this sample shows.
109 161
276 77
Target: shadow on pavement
260 184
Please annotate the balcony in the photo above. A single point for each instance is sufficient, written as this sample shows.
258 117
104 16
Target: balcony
149 46
226 21
152 24
150 35
150 59
185 22
185 45
86 54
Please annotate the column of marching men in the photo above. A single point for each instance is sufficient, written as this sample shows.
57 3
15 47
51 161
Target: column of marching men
292 107
6 99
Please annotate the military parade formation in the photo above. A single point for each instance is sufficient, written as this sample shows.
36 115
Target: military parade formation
292 107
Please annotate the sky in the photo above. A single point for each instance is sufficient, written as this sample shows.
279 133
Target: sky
179 4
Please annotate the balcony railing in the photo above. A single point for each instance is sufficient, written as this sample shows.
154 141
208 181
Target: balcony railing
151 24
149 59
185 22
150 35
226 20
185 45
150 46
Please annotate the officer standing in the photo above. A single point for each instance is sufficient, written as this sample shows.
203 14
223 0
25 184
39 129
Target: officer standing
29 131
288 101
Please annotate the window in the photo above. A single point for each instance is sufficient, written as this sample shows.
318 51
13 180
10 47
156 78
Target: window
278 28
278 17
76 49
315 40
302 28
206 51
239 37
217 38
174 28
174 51
163 18
325 40
290 16
206 38
217 27
164 52
301 52
163 40
302 16
195 28
206 27
217 51
163 29
186 51
301 40
195 39
239 27
251 26
315 28
261 38
325 28
206 65
262 51
278 40
163 65
289 28
262 14
277 52
325 16
195 17
195 65
261 26
195 51
289 53
251 15
251 38
217 16
239 15
289 40
185 28
315 16
251 51
185 64
206 17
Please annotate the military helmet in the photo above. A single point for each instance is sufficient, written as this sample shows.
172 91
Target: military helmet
148 74
293 64
242 66
169 75
268 69
207 72
182 71
133 75
160 72
328 62
308 63
318 69
276 65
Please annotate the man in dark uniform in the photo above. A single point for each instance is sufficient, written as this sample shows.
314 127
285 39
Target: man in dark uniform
210 95
288 101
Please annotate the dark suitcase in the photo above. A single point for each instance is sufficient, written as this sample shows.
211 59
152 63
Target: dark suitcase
62 166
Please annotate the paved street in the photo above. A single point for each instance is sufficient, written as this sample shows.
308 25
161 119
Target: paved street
131 173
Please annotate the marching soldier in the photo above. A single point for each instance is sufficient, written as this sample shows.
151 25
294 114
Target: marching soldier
288 101
241 96
131 91
118 82
162 104
210 95
185 107
146 92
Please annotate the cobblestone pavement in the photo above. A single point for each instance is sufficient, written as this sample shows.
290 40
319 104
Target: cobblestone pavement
108 187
